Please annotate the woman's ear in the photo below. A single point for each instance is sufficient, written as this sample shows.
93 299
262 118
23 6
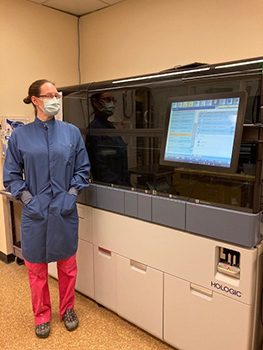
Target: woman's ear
34 100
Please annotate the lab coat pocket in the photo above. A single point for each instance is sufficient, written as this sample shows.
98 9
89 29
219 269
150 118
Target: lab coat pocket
68 153
33 209
69 204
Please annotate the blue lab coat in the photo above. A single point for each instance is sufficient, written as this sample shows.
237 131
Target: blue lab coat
53 157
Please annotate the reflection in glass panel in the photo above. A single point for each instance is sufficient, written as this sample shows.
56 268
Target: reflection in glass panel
75 109
124 139
227 190
123 130
125 160
132 161
108 158
133 108
252 87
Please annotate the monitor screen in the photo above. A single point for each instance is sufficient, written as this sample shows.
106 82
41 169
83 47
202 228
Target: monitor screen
204 131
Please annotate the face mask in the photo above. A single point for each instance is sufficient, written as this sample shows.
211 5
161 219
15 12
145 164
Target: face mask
108 108
51 107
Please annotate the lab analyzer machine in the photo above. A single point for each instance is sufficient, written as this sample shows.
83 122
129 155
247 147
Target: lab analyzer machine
171 224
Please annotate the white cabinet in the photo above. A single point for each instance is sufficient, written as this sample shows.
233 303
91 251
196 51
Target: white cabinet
105 280
168 283
85 276
140 295
85 223
52 269
196 318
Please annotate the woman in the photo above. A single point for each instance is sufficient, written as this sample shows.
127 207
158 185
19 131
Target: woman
46 167
107 154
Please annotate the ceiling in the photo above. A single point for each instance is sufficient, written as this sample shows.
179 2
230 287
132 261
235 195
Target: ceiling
77 7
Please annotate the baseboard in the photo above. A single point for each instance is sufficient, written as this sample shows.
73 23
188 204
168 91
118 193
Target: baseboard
7 258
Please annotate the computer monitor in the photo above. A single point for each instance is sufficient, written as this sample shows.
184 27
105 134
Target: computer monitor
204 131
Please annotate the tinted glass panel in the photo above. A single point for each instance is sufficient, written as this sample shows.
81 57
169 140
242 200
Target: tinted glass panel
123 128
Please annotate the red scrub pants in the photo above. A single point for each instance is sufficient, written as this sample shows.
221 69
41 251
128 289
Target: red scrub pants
38 280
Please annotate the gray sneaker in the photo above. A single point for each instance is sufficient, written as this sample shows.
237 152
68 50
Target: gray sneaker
70 320
42 330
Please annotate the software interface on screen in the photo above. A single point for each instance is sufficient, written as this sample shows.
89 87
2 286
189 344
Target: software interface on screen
202 131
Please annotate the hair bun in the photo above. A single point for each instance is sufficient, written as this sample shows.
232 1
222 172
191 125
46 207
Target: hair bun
27 100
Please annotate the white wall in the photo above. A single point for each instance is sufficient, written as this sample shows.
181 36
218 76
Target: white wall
144 36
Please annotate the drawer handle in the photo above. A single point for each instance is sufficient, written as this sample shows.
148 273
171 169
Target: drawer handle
138 265
201 290
104 251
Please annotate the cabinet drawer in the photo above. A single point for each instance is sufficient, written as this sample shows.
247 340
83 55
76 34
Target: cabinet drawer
85 222
196 318
85 276
105 277
140 295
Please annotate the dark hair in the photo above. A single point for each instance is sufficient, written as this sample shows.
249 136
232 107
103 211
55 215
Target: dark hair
34 90
96 97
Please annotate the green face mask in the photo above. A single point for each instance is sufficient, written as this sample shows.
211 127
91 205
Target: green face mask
51 107
108 108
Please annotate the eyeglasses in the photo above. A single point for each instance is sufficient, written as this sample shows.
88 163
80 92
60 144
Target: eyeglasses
108 99
49 96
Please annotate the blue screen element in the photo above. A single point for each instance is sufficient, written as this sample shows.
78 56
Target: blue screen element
202 131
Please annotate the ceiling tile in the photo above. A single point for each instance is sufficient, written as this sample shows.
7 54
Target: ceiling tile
111 2
38 1
76 7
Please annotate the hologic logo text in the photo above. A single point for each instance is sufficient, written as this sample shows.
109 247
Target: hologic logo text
226 289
